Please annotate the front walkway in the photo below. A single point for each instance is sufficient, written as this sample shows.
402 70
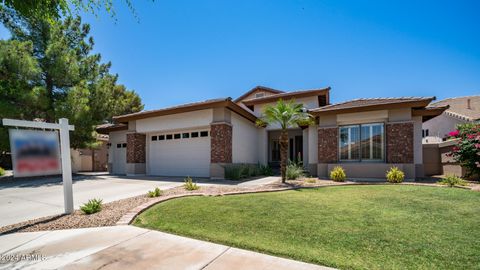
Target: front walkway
128 247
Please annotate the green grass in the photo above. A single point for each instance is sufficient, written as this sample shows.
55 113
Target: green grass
351 227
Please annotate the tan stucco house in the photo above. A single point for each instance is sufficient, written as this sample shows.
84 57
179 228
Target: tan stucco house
460 110
365 136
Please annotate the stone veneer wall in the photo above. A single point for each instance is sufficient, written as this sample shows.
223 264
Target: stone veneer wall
399 142
328 145
136 148
221 143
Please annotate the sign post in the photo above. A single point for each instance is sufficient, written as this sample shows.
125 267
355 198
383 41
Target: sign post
64 129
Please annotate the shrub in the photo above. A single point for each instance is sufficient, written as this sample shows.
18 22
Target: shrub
2 171
154 193
338 174
189 184
294 171
467 150
452 180
395 175
92 206
239 171
265 170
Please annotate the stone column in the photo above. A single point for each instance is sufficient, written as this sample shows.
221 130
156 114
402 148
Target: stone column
220 148
399 142
136 156
327 149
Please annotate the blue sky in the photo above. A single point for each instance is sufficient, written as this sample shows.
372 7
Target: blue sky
182 51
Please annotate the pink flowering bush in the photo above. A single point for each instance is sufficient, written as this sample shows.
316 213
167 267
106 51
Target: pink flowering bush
467 150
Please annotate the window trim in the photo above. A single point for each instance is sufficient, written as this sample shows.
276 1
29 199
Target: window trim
360 159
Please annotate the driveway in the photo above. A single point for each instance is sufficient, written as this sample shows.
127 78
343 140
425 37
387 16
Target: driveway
128 247
26 199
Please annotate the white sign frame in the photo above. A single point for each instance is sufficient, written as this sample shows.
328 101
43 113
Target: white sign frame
64 129
16 133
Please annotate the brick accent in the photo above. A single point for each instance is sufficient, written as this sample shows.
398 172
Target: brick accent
221 143
399 142
328 145
136 148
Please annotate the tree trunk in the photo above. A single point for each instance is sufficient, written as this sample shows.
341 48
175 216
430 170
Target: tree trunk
283 154
50 110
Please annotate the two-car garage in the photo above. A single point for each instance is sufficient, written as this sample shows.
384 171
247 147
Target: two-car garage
182 153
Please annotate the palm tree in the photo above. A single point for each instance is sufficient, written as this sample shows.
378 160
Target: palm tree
287 114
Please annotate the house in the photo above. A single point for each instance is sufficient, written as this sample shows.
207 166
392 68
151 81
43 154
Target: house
365 136
461 110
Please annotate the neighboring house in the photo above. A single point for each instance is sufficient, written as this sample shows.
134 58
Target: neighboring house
461 110
88 160
365 136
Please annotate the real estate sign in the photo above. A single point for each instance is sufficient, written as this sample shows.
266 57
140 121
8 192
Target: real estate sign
35 152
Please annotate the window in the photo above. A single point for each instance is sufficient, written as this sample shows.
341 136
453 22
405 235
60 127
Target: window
424 133
161 137
185 135
176 136
154 138
204 134
362 142
194 134
124 145
119 145
169 136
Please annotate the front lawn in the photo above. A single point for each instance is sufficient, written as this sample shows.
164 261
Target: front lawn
350 227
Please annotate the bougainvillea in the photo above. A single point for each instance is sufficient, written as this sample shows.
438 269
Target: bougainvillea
467 150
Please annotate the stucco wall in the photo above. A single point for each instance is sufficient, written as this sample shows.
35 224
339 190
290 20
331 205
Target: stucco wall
188 120
245 140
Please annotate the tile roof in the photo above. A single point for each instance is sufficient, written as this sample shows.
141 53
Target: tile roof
374 102
109 127
209 103
458 107
258 87
292 94
186 105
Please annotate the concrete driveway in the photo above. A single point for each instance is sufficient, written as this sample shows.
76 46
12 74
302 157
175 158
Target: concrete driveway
128 247
26 199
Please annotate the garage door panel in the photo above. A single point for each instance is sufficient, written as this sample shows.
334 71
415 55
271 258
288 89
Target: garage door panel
181 157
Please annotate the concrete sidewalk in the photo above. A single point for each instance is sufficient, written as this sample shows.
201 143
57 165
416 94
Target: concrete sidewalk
128 247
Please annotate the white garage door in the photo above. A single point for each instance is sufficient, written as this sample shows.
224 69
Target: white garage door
119 158
185 153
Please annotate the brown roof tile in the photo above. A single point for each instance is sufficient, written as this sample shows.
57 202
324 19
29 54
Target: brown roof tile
259 87
288 95
374 103
206 104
